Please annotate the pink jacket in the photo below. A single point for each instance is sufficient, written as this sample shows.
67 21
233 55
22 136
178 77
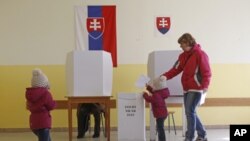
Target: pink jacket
157 101
195 67
39 103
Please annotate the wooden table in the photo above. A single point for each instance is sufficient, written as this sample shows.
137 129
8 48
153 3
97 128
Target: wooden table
105 100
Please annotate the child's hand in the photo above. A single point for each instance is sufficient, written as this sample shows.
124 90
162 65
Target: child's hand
149 88
145 94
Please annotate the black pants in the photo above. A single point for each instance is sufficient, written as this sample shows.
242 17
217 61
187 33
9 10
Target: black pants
160 129
83 117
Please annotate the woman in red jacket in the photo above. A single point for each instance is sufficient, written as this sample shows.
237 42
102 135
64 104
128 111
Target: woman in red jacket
196 74
40 103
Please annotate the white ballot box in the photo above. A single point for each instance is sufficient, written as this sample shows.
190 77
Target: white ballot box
89 73
131 117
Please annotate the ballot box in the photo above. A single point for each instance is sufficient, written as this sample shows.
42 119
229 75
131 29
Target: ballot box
131 117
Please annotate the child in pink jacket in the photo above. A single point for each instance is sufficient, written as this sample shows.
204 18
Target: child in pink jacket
159 92
40 103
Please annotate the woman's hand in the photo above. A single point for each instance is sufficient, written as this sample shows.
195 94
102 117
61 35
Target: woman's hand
204 90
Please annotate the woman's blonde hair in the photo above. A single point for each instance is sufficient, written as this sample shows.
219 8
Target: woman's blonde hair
187 38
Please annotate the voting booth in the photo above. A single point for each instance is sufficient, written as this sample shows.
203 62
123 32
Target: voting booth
89 73
131 117
160 62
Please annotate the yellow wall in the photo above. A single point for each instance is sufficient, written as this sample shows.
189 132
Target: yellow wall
228 81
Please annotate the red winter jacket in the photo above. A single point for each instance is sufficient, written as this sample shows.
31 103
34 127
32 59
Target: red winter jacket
196 70
157 101
40 103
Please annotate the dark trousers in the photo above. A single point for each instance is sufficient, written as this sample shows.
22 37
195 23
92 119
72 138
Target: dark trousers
82 123
160 129
42 134
83 117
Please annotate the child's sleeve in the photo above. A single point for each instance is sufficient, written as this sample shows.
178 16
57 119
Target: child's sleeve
50 103
148 98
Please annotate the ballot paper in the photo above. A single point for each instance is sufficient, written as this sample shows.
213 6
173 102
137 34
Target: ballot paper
142 81
203 97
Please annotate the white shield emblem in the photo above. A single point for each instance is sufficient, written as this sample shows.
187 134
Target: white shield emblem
95 27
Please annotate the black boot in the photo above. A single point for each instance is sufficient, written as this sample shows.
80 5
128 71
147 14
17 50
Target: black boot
80 124
80 135
96 136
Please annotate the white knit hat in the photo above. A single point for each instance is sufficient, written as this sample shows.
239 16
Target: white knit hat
39 79
159 83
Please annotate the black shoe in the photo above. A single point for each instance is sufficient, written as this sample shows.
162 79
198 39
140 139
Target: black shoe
96 136
79 136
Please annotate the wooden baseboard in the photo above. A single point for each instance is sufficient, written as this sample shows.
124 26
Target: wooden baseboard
211 102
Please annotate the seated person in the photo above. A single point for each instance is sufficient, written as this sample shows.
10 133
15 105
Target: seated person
83 116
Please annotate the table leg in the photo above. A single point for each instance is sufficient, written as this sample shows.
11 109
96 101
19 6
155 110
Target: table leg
107 121
70 120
